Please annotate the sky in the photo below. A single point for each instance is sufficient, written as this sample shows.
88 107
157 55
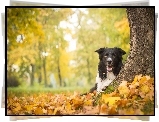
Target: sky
73 22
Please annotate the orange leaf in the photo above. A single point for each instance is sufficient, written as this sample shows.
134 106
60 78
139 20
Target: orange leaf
68 106
122 103
50 112
103 109
38 111
112 111
143 80
17 107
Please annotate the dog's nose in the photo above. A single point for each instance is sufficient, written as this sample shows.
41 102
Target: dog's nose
109 60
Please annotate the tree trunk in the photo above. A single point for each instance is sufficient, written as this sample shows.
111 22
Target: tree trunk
44 69
59 73
40 64
32 74
40 75
141 57
89 73
58 67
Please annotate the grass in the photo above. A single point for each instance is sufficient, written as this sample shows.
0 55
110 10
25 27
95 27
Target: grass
36 90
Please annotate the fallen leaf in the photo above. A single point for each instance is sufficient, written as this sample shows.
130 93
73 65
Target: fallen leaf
38 111
110 100
103 109
112 111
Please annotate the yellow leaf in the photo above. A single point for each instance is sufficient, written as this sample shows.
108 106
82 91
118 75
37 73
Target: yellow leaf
123 89
135 79
68 106
88 102
110 100
55 111
134 97
145 89
29 107
105 96
18 107
143 80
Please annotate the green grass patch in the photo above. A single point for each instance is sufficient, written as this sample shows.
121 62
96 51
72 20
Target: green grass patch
20 91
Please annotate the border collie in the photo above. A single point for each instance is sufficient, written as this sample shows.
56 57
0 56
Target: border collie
110 63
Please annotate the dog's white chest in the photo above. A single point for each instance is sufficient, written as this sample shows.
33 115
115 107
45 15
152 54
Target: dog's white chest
101 84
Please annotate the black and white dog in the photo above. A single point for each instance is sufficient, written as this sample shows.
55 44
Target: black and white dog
110 63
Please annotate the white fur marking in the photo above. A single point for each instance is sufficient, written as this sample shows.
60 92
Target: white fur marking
102 84
109 59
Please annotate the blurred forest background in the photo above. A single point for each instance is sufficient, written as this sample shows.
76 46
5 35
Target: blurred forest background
54 47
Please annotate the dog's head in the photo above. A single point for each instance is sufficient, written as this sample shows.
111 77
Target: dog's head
110 57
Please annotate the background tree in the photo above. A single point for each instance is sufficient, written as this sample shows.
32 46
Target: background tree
34 32
141 57
22 37
96 28
44 48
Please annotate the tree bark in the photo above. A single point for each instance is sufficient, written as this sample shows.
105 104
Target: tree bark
32 74
59 74
44 69
58 68
39 71
141 57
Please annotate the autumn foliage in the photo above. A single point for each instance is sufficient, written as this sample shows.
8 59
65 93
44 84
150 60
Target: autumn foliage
136 98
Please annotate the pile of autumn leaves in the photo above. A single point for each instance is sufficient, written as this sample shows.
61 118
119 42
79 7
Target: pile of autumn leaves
136 98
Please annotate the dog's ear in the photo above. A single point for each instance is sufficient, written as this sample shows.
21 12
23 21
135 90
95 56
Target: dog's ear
100 50
122 52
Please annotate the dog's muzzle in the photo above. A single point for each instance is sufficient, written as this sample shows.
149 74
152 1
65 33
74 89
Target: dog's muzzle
109 65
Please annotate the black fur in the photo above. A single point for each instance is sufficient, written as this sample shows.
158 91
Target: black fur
104 53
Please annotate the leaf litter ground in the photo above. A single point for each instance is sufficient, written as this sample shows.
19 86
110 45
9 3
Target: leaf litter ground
135 98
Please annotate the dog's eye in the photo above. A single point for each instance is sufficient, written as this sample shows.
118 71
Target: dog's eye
106 55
